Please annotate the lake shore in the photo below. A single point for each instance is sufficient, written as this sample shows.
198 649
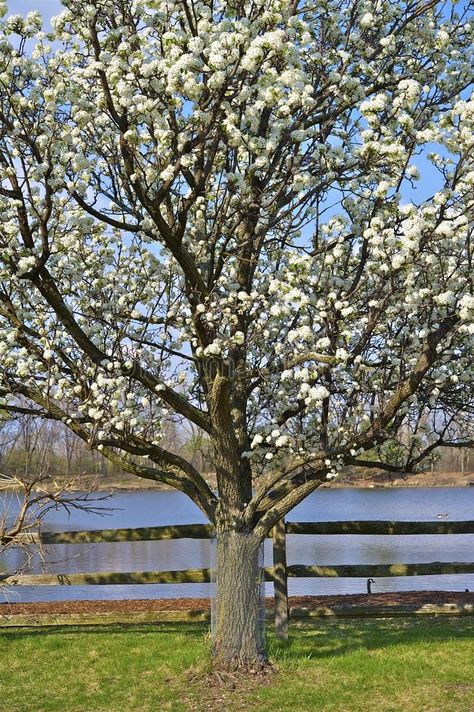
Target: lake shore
357 481
368 479
386 603
422 479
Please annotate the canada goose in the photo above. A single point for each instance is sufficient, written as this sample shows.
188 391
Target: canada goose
442 516
370 581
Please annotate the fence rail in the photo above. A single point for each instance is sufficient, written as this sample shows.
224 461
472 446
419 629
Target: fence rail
386 528
434 568
278 573
206 531
96 536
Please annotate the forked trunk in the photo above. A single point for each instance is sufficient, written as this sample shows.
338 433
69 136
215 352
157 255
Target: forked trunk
238 611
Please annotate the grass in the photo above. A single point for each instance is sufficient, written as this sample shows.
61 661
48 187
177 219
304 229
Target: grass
417 665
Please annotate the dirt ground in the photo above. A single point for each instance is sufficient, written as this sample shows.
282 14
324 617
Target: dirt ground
375 600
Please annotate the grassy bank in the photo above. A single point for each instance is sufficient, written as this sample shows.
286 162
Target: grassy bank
413 665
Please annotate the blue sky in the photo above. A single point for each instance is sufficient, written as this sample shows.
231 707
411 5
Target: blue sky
48 8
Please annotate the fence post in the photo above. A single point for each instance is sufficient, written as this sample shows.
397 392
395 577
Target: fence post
280 581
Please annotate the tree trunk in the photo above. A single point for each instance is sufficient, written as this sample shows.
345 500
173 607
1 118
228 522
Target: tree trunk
238 611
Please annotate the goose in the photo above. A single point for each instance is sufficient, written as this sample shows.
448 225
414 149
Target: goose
370 581
442 516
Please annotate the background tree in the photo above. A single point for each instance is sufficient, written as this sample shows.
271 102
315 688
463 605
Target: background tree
210 212
25 503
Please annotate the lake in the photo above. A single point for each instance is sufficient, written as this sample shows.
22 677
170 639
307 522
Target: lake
153 508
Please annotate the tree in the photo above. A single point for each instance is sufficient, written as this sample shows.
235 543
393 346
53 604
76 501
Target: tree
210 212
26 502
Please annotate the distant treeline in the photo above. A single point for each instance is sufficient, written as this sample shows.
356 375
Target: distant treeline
30 445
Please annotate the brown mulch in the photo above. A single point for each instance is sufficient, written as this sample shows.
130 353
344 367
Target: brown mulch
203 604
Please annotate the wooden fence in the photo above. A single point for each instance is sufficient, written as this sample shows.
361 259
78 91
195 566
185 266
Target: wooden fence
278 573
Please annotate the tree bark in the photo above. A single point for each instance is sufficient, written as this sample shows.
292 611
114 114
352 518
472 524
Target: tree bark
238 611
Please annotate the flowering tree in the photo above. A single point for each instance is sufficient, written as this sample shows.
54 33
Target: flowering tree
209 210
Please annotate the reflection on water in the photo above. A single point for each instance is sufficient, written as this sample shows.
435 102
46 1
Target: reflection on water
134 509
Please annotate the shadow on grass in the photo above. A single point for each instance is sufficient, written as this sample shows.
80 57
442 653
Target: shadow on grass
193 629
323 639
309 640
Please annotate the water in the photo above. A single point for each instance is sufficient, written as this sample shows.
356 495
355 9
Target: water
152 508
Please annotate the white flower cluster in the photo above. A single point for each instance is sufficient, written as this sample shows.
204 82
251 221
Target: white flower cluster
221 194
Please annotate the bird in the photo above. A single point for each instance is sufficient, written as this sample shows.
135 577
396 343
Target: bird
370 581
442 516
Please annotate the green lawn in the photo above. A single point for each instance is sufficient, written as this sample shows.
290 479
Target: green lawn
413 665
